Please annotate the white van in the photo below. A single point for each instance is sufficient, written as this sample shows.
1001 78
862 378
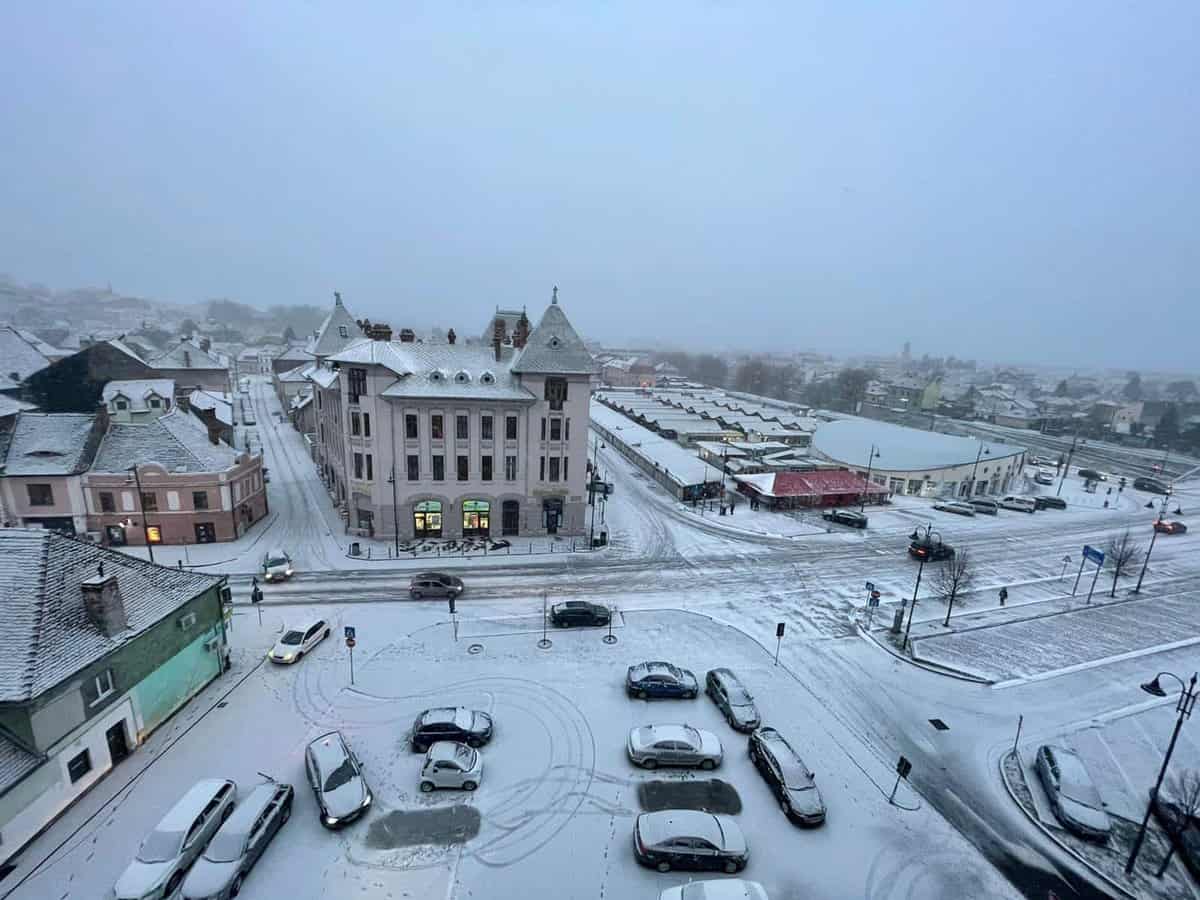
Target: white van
1021 504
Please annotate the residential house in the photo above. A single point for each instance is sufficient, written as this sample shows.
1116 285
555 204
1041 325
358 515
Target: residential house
290 357
43 457
193 365
76 382
98 649
139 400
20 357
216 412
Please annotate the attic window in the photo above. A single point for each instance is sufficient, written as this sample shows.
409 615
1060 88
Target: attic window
435 376
462 378
554 342
487 378
343 331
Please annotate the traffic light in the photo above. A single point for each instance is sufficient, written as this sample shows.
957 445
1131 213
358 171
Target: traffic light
451 599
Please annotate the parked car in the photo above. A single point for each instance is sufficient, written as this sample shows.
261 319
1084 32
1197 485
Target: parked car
335 775
985 505
1041 461
579 612
783 769
277 566
1091 475
1049 502
688 839
297 641
1152 485
166 854
725 889
845 517
1044 477
929 550
236 847
1020 504
1170 527
451 723
956 507
449 764
434 584
1072 794
732 699
1184 831
651 746
660 679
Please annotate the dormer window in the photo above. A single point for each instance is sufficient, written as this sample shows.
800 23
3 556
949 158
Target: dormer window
462 378
343 331
121 404
487 378
554 342
435 376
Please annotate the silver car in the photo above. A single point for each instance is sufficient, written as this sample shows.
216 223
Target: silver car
954 506
1071 792
277 566
451 765
724 889
233 851
170 849
335 775
652 746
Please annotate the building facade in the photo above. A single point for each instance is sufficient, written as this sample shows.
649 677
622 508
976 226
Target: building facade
429 441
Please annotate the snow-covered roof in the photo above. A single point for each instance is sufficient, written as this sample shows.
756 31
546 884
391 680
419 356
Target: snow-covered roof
389 354
49 444
323 377
10 406
337 331
295 353
901 449
18 356
139 390
186 355
15 763
220 404
456 371
177 441
554 348
124 348
683 466
298 374
47 635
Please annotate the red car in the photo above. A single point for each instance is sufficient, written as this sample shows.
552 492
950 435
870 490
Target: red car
1170 527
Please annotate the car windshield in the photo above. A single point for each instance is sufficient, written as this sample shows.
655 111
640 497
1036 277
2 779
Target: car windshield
225 847
160 846
273 561
340 776
465 756
292 637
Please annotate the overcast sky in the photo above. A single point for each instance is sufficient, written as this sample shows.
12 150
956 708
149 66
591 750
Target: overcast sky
1005 180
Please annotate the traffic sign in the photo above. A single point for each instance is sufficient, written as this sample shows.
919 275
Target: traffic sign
779 630
1096 556
874 599
349 630
350 642
903 767
870 585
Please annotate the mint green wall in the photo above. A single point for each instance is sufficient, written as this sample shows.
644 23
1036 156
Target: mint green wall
174 682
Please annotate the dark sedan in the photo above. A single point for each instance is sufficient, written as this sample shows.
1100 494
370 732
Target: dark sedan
732 699
434 584
845 517
451 723
688 839
660 679
1049 502
930 551
579 612
783 769
1165 527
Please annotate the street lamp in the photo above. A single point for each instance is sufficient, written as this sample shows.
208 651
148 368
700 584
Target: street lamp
870 461
395 509
1187 699
1153 538
929 532
1067 467
142 506
975 471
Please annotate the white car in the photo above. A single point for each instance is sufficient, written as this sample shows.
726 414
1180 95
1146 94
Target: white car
451 765
652 746
298 641
165 856
1044 476
277 566
725 889
954 506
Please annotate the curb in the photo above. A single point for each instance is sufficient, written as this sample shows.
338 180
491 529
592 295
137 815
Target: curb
1122 891
467 556
928 667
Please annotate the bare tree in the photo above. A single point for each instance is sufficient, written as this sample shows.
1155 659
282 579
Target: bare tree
1184 793
1122 552
953 578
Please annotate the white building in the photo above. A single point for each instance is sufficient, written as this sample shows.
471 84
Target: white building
926 463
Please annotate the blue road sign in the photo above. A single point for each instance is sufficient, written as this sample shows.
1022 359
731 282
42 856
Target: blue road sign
870 585
349 629
1096 556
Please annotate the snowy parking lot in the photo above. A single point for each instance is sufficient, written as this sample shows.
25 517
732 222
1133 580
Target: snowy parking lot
553 816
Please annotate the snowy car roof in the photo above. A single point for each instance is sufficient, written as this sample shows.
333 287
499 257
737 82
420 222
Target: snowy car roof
652 734
720 831
459 715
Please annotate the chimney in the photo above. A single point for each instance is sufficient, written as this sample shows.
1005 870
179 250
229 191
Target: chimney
521 332
102 600
451 337
407 336
379 331
497 335
187 359
205 344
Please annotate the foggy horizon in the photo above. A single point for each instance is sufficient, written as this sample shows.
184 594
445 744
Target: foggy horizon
997 184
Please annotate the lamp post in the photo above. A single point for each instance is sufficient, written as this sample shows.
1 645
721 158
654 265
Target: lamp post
1187 700
1153 538
592 490
913 610
983 449
395 509
870 461
142 506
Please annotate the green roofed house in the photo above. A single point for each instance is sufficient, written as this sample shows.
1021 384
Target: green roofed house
97 650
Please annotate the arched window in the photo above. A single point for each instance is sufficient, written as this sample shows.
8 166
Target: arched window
427 519
476 518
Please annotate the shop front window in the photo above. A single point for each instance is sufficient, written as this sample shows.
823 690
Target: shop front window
476 518
427 519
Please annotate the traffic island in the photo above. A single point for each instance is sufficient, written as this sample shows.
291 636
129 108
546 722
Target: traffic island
1106 860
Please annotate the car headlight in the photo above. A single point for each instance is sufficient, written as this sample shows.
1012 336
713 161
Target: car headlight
266 576
331 820
367 802
288 573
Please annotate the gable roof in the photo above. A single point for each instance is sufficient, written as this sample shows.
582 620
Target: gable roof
186 355
48 636
49 444
294 353
456 371
177 441
139 390
219 404
10 406
338 331
553 348
18 355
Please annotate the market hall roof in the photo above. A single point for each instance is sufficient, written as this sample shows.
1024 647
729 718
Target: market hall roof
901 449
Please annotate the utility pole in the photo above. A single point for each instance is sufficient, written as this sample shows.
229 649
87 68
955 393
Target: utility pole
592 491
870 460
975 470
1067 467
142 506
395 508
1153 538
912 612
